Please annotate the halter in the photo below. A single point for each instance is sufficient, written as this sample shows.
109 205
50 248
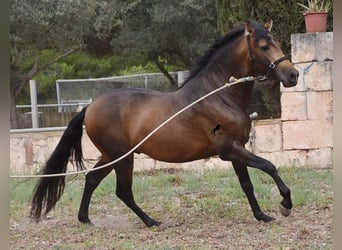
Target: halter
271 65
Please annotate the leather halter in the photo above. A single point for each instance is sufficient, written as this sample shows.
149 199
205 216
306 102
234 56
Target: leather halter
271 65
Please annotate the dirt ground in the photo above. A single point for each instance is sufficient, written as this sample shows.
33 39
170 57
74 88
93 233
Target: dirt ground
208 215
301 230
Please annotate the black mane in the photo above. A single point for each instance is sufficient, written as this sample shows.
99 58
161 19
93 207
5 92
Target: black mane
221 42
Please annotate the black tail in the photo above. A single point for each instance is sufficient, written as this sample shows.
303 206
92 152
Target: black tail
49 189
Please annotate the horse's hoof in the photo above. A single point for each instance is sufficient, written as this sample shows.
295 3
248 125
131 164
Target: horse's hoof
284 211
265 218
86 221
89 224
153 223
158 223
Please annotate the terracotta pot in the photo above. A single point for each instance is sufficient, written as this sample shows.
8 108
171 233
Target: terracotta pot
316 21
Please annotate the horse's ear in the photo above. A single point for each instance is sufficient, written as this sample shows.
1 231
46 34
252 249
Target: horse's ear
249 29
268 25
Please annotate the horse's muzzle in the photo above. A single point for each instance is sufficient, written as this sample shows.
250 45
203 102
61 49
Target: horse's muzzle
289 78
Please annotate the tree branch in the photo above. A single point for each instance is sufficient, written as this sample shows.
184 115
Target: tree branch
35 69
65 54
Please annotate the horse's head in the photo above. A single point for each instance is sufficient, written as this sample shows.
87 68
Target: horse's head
266 56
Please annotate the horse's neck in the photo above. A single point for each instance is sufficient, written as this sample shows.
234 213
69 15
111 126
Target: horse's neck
230 62
236 96
242 94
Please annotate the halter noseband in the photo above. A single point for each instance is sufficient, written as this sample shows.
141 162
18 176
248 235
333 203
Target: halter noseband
271 65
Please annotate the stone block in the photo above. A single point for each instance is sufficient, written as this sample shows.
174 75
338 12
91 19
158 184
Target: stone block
321 157
216 163
90 152
51 144
17 152
293 106
320 105
307 47
38 154
28 145
141 156
291 158
144 164
267 136
187 165
38 145
316 76
308 134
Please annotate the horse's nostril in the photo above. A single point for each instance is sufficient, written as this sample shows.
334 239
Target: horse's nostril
294 75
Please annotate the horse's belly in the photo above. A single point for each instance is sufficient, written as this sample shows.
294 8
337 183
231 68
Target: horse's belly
177 152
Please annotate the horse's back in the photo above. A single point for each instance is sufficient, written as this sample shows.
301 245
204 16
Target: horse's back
121 119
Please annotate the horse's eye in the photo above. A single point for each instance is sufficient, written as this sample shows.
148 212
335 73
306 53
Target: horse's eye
265 48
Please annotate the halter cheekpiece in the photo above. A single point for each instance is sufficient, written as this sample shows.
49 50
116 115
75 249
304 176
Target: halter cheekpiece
271 65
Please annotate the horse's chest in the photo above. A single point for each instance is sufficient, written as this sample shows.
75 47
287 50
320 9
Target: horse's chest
233 129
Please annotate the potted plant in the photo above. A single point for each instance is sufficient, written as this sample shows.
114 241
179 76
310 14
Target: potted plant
316 14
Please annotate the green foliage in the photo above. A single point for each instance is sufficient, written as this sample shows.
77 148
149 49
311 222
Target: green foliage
113 37
139 69
230 13
57 27
85 66
175 32
285 16
316 6
75 66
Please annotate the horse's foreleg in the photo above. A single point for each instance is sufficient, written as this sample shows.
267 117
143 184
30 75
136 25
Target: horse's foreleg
239 154
93 179
124 176
247 186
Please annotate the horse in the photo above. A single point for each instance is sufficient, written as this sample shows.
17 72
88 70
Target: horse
218 125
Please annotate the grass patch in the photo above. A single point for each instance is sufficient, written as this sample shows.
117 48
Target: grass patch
214 193
191 202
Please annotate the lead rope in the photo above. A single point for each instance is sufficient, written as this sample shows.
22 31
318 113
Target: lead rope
232 81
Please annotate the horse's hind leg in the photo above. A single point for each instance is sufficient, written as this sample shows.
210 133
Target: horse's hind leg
247 186
124 176
242 156
92 181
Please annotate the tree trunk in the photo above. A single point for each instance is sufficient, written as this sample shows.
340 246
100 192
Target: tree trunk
13 114
166 73
153 56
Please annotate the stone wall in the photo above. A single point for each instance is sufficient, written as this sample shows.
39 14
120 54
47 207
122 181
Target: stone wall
29 151
301 137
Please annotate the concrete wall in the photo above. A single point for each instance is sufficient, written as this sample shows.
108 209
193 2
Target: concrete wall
302 137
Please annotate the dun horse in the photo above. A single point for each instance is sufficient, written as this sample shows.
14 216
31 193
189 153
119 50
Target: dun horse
218 125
